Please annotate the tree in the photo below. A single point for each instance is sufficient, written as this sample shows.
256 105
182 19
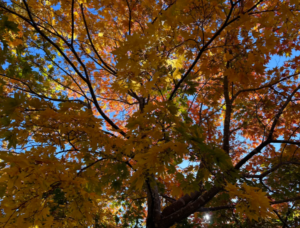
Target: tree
139 113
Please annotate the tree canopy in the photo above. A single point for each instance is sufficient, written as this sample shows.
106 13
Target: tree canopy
149 113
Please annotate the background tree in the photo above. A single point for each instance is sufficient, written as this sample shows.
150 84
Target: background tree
134 113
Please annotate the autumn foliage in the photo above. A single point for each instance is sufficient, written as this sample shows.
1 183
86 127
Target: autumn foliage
149 113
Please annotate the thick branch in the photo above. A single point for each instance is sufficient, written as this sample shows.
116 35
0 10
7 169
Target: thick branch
251 154
226 133
189 209
153 201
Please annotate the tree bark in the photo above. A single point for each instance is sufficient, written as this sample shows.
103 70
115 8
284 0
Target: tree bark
153 202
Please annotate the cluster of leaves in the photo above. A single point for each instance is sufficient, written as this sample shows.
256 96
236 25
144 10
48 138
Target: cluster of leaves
134 113
252 201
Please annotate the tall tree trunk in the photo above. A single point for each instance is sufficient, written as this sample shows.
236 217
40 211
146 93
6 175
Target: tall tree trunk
153 201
